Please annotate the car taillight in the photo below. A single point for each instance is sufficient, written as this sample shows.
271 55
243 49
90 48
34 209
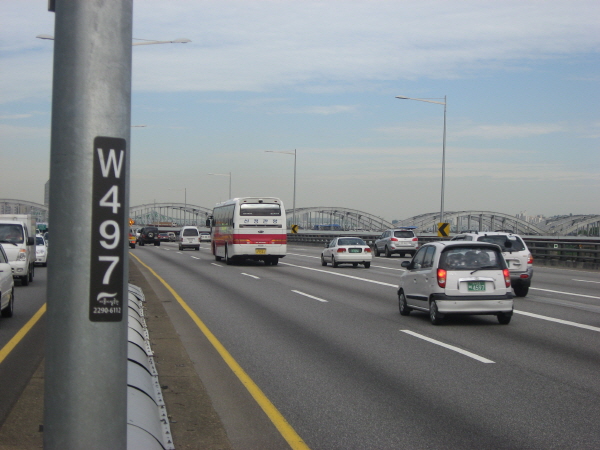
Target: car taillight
279 241
341 250
441 278
241 241
506 273
393 239
530 259
368 250
415 239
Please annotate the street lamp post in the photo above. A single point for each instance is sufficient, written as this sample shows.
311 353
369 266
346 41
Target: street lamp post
294 204
429 100
224 175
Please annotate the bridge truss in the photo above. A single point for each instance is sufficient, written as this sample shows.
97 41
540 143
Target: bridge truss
180 214
342 218
587 225
472 220
12 206
321 217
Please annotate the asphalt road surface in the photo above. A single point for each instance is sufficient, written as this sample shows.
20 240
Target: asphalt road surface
330 352
329 349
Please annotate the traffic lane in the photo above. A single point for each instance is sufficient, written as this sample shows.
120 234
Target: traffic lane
21 363
246 424
578 286
359 333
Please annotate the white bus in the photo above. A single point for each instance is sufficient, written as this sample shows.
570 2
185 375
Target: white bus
249 228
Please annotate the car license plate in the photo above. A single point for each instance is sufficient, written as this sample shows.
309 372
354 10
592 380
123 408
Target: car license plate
476 286
261 251
355 250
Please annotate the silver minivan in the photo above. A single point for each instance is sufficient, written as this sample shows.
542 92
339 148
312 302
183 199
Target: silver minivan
454 277
189 238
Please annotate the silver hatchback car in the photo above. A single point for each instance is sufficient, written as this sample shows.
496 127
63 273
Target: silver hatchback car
456 278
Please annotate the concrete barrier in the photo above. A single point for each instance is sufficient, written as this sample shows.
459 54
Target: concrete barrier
147 420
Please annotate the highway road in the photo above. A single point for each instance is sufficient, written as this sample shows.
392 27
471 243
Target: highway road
343 370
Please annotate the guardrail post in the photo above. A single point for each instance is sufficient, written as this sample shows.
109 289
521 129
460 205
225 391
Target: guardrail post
86 346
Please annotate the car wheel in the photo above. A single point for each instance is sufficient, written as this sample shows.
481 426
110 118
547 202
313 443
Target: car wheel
32 273
157 244
354 264
434 314
25 280
227 258
376 250
404 309
180 248
388 254
198 248
141 243
323 262
367 265
334 262
8 311
274 261
504 318
521 291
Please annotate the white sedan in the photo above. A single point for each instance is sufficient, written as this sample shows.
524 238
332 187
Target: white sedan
347 250
41 251
7 286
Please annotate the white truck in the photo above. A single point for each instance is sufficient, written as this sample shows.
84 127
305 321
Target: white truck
17 237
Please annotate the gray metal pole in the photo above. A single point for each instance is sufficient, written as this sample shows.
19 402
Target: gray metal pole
294 213
86 347
443 164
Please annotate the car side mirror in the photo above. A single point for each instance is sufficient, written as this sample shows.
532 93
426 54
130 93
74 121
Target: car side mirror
405 264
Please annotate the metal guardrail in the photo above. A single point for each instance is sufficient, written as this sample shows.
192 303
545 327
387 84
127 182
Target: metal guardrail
567 251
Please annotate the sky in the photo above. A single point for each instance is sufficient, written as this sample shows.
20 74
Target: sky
521 81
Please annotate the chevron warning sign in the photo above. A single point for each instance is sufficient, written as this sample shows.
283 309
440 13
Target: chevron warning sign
443 229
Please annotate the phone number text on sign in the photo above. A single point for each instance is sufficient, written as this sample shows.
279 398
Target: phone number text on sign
108 234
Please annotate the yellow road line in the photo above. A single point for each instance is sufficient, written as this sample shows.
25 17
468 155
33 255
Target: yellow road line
5 351
286 430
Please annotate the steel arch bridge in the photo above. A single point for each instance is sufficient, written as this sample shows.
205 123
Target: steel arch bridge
472 220
338 218
588 225
167 214
13 206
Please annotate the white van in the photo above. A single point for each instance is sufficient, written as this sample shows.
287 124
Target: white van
189 238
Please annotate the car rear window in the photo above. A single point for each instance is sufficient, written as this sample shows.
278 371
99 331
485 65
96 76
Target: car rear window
349 241
516 244
190 232
471 258
404 234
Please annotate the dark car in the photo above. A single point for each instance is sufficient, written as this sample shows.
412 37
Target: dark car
148 235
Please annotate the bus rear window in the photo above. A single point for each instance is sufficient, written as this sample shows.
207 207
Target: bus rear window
260 209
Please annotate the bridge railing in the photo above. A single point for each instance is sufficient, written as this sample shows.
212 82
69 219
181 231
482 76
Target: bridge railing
568 251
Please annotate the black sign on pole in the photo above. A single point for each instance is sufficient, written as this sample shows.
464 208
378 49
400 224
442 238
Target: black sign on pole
109 241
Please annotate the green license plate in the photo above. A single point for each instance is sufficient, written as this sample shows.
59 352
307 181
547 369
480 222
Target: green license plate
476 286
261 251
355 250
